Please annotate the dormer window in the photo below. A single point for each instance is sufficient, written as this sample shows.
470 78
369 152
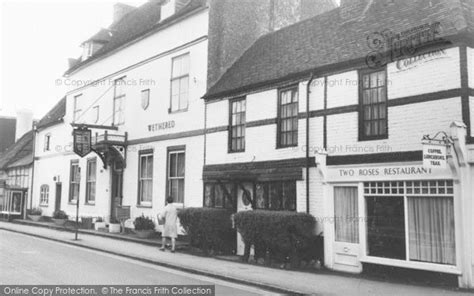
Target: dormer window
168 8
88 50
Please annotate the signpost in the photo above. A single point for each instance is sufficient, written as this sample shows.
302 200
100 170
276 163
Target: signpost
82 147
434 156
435 151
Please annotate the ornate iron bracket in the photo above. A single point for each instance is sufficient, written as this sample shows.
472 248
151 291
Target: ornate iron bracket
441 138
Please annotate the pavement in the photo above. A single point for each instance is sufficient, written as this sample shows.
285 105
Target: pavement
276 280
29 261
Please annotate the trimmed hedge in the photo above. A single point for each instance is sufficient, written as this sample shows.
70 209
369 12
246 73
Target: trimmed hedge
209 229
279 235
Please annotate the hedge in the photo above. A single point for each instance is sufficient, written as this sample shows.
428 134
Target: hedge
279 236
209 229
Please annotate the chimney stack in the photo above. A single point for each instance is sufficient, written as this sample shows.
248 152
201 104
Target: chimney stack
24 122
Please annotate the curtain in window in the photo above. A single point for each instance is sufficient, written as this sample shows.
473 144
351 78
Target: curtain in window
431 229
346 214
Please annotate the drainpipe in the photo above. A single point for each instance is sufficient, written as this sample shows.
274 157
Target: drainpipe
308 92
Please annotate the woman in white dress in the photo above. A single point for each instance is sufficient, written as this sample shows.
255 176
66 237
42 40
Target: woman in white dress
170 229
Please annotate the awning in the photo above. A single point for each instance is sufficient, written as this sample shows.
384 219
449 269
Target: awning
288 169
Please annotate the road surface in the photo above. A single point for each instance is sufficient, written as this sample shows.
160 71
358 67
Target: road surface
33 261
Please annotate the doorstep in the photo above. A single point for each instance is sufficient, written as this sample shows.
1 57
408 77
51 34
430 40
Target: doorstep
118 236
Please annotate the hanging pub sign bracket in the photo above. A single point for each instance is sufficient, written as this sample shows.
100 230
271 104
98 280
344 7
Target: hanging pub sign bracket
435 150
82 141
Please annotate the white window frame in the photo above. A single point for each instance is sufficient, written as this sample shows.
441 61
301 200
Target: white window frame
44 195
76 110
180 78
407 263
169 179
148 155
90 181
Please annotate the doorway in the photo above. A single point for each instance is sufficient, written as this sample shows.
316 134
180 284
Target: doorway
57 203
116 187
346 229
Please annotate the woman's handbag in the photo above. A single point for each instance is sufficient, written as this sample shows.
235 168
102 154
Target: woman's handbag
161 220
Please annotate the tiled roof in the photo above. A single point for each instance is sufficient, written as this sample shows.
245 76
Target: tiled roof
23 148
137 23
329 39
55 115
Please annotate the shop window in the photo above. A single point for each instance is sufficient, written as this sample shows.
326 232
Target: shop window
386 227
237 125
91 175
176 170
179 83
218 195
119 102
431 229
373 105
346 213
287 117
44 195
426 207
145 178
74 181
276 196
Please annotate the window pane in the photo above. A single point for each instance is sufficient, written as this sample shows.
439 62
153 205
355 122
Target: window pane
431 229
181 190
289 196
208 195
346 213
275 195
181 164
173 164
261 202
219 196
386 226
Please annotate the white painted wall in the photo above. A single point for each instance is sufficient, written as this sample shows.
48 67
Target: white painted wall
426 77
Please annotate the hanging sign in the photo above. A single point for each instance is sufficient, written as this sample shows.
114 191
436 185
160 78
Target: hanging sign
434 156
82 141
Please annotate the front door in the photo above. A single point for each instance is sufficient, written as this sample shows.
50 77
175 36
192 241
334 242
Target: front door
16 204
346 248
117 184
57 203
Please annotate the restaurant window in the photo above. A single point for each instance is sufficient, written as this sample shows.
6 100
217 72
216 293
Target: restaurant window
179 83
91 176
119 101
426 207
276 196
219 195
77 109
74 182
237 125
176 170
145 178
373 106
44 195
47 142
288 117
